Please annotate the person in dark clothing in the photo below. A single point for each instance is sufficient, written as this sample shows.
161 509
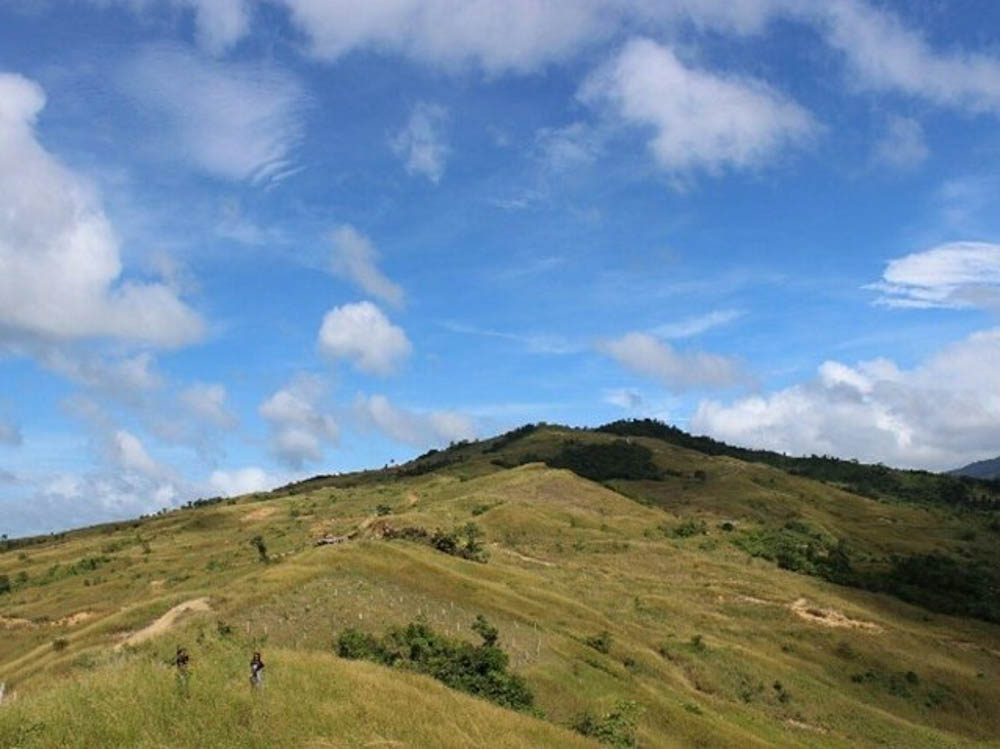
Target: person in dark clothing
256 666
181 660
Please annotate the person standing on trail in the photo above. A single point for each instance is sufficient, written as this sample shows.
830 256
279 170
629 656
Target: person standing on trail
256 666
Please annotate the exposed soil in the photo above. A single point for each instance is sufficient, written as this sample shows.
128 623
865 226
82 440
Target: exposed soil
166 621
830 617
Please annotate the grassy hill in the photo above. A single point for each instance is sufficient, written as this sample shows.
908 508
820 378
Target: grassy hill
734 601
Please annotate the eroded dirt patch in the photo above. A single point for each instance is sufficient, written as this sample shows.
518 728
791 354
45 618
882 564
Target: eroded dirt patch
166 621
261 513
14 622
73 619
830 617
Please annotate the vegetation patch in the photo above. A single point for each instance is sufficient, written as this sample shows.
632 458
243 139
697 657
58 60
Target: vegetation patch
481 670
466 541
615 728
602 462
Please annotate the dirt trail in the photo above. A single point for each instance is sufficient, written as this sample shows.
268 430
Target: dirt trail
525 558
12 622
165 622
830 617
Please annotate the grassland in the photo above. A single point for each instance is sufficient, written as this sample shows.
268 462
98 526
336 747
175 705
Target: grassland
719 647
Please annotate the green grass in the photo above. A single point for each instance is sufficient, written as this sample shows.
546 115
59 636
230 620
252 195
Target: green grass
699 630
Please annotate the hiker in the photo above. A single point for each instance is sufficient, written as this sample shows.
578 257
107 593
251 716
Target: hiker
181 659
256 666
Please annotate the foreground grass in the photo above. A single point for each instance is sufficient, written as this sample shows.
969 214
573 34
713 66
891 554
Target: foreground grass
308 700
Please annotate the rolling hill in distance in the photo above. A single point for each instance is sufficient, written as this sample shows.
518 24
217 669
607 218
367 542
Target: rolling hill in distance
981 469
629 585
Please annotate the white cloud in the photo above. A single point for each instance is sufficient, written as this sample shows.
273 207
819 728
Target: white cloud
700 120
238 121
954 275
299 428
207 401
647 356
60 270
219 24
886 55
902 145
624 398
694 326
518 36
421 143
238 481
942 414
72 500
361 333
128 452
355 258
419 429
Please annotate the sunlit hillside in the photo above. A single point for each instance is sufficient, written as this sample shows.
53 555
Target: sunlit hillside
736 604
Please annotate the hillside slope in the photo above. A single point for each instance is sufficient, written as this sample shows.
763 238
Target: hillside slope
647 590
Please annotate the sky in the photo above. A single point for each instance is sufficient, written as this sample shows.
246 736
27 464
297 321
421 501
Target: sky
244 242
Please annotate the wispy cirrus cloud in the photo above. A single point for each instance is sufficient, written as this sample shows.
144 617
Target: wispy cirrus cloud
694 326
536 343
953 275
355 259
647 356
234 120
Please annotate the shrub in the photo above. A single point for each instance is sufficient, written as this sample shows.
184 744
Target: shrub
616 728
5 586
60 644
601 642
689 528
258 543
383 509
465 542
480 670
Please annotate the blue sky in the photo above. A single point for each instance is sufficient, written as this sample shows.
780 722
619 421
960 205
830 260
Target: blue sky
243 242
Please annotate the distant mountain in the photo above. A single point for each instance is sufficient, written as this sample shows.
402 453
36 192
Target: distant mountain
983 469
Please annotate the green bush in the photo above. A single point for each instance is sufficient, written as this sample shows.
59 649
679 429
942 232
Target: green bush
480 670
689 528
616 728
465 542
5 586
